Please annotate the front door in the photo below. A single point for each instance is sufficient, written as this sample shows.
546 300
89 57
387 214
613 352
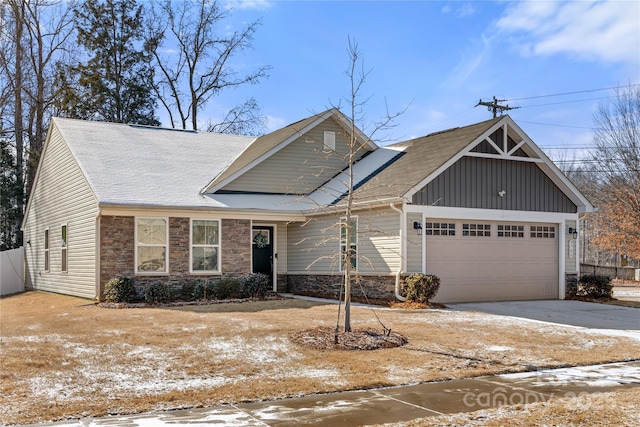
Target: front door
263 250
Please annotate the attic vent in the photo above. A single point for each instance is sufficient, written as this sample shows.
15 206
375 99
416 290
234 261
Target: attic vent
161 128
443 131
329 140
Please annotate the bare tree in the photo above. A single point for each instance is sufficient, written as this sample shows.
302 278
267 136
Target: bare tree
200 69
617 152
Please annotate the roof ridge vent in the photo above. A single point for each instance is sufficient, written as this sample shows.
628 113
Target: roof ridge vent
162 128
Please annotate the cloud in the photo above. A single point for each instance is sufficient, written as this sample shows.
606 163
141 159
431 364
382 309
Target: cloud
603 31
466 9
473 58
249 4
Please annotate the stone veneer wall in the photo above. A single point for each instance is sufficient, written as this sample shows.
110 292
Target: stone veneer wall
117 250
376 287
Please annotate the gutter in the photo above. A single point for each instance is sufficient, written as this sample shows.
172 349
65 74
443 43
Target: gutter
402 232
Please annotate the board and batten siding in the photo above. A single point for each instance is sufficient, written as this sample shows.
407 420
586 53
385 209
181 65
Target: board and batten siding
474 182
61 195
314 247
299 168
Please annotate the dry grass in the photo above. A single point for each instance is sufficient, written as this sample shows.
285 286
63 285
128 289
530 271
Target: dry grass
64 357
598 409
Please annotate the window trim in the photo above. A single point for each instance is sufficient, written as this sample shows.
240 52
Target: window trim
354 245
64 248
138 245
47 252
218 245
329 143
430 229
538 231
510 233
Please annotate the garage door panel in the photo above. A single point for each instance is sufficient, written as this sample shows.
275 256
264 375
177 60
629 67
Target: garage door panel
480 268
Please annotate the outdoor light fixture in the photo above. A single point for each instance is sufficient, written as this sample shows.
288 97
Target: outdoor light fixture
418 227
573 232
502 193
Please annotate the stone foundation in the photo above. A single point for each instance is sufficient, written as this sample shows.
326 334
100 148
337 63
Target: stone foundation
375 287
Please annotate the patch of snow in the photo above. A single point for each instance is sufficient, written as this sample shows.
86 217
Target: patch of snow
595 376
499 348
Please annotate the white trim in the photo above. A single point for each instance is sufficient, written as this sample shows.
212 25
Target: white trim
504 157
136 246
357 219
64 260
47 250
202 212
218 245
489 214
561 236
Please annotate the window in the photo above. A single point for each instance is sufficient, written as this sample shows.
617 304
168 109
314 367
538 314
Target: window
205 245
510 230
353 242
151 245
329 141
476 230
439 229
544 232
46 249
63 248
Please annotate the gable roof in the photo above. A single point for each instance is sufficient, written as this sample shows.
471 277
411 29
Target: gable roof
147 166
267 145
422 157
427 157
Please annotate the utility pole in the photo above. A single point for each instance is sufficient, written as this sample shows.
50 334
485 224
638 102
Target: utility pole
494 106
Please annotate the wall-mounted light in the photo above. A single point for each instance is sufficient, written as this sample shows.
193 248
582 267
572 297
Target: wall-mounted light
418 227
573 232
502 193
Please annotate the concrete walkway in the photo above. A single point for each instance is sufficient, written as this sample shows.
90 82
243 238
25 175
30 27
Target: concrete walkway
394 404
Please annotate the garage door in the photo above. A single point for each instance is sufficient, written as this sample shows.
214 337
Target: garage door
492 261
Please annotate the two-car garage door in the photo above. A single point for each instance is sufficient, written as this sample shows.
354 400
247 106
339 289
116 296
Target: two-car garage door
492 260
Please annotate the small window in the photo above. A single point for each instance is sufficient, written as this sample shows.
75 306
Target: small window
440 229
476 230
353 243
46 249
151 245
329 141
205 246
543 232
63 248
505 230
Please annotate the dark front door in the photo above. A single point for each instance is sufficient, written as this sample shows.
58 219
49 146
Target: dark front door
263 251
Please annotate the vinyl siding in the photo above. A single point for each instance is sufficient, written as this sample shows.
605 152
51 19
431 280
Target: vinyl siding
475 182
570 249
61 195
299 168
314 247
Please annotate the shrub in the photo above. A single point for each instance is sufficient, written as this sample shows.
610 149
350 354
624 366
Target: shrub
254 285
190 291
158 292
595 286
421 287
227 288
120 289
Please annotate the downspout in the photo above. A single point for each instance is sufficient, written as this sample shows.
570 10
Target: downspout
97 263
402 238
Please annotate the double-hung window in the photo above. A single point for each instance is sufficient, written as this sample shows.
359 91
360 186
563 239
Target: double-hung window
152 245
352 243
205 246
63 248
46 249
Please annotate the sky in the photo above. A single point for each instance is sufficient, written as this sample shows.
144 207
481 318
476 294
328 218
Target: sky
436 60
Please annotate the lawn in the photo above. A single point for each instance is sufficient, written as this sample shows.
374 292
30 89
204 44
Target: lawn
66 357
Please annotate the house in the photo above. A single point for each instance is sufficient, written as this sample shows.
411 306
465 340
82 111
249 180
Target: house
480 206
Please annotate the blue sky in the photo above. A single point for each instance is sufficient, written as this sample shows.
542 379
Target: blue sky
438 59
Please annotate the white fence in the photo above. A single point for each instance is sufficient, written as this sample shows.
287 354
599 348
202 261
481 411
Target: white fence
11 271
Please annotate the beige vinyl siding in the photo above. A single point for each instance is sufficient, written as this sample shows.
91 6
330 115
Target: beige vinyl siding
60 196
314 247
299 168
570 248
414 244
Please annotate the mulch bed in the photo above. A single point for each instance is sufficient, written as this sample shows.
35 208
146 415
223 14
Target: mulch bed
324 338
185 303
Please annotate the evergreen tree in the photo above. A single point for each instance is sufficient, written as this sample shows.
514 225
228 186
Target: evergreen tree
10 213
115 83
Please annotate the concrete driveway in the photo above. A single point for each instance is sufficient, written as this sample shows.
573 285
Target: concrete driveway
564 312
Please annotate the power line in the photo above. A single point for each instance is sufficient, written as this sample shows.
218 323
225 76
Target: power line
549 124
565 102
570 93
